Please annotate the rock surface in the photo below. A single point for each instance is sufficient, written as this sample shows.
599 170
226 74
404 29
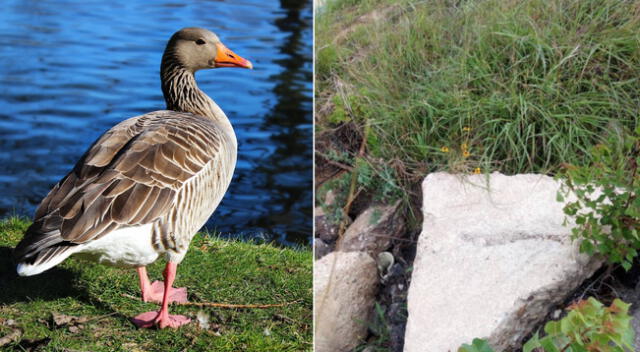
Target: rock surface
491 260
320 248
345 284
632 296
373 230
326 229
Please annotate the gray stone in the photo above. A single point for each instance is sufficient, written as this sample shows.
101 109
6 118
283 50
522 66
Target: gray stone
373 230
345 285
326 228
632 296
492 259
635 323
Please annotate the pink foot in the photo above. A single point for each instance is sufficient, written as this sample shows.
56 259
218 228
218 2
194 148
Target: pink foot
151 319
156 290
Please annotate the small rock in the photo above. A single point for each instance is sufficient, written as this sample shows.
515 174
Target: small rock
320 248
397 271
326 229
384 261
397 313
373 230
345 285
330 198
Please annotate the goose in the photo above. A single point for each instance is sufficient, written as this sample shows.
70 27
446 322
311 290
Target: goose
147 185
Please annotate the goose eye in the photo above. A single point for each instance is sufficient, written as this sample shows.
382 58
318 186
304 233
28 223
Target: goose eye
200 42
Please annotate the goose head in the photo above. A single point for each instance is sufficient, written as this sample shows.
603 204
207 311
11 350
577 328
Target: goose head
197 48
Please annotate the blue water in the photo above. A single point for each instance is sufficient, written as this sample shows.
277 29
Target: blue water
69 70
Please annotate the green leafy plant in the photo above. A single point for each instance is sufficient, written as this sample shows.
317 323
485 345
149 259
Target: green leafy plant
478 345
589 326
380 334
607 208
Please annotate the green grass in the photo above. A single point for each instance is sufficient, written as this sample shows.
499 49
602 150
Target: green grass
521 86
214 270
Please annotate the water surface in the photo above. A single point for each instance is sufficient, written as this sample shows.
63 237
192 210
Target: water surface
69 70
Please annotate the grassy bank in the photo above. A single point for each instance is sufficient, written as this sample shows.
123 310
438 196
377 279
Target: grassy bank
214 270
470 86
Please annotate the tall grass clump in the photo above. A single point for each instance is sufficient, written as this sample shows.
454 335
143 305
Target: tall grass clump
464 86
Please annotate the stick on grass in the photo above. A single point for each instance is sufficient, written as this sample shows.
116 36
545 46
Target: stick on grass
223 305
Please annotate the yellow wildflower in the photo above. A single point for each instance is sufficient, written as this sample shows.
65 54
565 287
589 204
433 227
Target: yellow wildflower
444 149
464 146
466 153
466 129
477 171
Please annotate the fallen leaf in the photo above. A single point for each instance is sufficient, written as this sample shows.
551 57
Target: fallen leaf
73 324
203 319
62 319
13 336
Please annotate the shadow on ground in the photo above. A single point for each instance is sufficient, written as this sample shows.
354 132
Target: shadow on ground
50 285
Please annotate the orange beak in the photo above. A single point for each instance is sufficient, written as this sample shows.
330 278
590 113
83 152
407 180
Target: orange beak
227 58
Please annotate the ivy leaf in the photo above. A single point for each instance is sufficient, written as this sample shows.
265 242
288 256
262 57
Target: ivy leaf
478 345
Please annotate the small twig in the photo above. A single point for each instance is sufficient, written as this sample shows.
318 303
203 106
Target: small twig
100 317
221 305
352 189
336 163
228 305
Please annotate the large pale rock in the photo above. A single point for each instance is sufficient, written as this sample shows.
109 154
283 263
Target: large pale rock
373 230
492 258
345 284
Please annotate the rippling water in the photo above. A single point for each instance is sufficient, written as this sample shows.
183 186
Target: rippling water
69 70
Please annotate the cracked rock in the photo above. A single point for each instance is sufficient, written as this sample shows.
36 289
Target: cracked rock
493 258
373 230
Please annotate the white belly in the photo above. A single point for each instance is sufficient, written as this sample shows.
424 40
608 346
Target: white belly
130 246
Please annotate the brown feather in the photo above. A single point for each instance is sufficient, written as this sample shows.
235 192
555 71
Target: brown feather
130 176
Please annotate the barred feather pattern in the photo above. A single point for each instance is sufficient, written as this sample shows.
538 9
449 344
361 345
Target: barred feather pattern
167 168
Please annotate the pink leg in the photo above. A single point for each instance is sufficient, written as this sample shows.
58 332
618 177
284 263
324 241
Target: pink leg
162 318
153 292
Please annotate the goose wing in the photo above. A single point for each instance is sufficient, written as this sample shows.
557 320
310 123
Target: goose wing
129 176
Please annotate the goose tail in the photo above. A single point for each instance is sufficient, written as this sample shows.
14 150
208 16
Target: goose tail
40 251
44 260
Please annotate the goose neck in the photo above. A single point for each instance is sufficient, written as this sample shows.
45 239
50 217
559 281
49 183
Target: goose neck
181 92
